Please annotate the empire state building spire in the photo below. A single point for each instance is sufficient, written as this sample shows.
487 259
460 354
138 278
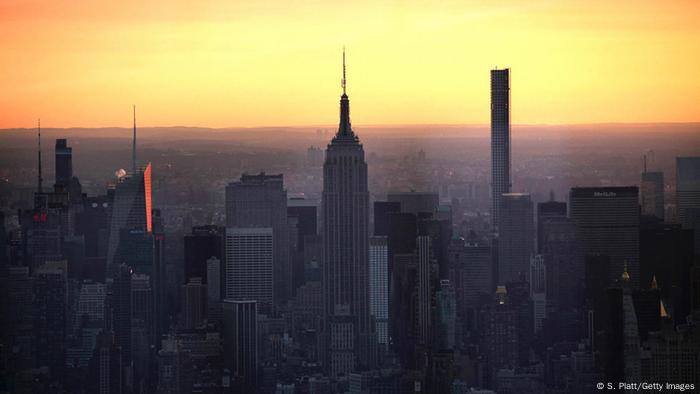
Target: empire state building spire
344 129
347 329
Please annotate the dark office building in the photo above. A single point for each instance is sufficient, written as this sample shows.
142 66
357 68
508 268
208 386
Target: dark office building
440 234
404 308
516 237
158 279
302 218
403 229
305 212
261 201
121 309
4 256
666 253
500 140
204 242
546 210
93 223
382 209
472 264
652 193
50 297
607 220
136 250
240 333
64 163
688 195
564 258
416 202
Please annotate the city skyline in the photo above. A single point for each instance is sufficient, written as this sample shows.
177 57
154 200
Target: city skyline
425 260
422 64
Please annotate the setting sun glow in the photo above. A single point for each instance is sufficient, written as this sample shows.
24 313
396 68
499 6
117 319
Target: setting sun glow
278 63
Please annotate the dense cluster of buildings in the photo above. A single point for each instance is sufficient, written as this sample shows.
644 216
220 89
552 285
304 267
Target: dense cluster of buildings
350 295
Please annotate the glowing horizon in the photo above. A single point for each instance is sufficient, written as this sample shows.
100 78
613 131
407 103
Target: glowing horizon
83 63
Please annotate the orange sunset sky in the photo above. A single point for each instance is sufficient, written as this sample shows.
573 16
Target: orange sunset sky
274 63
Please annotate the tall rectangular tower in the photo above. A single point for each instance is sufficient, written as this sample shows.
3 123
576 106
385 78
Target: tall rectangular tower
261 201
607 219
345 211
516 241
64 162
249 266
241 344
688 195
500 140
131 210
379 287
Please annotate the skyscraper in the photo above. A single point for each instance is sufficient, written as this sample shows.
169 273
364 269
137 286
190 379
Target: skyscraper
213 289
50 297
249 266
379 287
562 252
500 140
516 237
652 190
131 210
545 211
607 219
121 319
345 211
261 201
538 289
204 243
64 163
688 195
302 216
194 302
382 209
415 202
241 344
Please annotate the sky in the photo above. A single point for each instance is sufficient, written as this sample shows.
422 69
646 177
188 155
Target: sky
223 63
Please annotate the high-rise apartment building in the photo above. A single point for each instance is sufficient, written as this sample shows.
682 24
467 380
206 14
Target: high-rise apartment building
500 141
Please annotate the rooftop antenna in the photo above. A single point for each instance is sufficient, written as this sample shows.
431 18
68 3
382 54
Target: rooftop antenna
40 179
133 146
645 163
343 83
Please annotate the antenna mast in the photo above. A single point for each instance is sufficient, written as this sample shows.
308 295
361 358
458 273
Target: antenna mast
40 179
133 146
344 80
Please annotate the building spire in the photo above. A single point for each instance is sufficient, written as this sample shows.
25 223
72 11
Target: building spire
343 83
133 146
344 129
40 180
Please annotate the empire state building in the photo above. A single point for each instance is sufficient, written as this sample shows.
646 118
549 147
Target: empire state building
347 328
